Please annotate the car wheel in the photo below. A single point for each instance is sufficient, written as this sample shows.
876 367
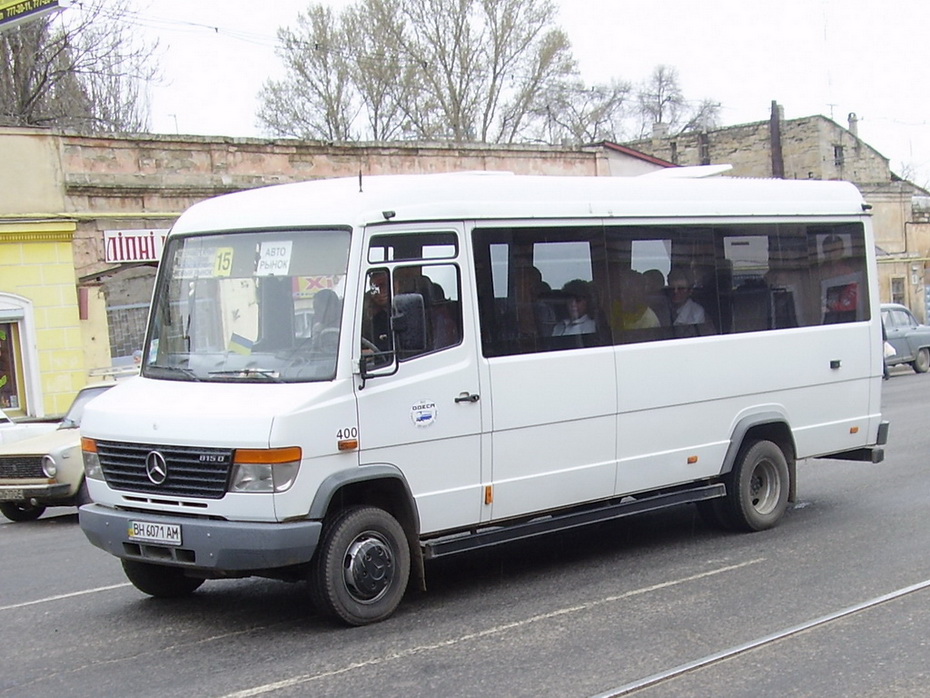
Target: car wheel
922 362
757 488
21 511
160 581
360 570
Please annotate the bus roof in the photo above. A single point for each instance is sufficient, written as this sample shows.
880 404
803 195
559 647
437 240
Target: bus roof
367 200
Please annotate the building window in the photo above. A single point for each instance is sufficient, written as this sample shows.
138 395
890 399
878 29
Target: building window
838 156
897 290
11 399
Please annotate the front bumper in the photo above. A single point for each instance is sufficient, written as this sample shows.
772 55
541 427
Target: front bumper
43 493
206 544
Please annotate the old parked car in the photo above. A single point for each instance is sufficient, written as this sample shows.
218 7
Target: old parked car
48 469
909 338
12 431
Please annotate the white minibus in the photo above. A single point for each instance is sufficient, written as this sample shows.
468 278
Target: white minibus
345 379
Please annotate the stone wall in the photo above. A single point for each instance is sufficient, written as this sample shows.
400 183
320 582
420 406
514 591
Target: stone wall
813 147
146 182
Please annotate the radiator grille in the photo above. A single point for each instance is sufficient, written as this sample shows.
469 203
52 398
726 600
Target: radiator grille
191 472
21 466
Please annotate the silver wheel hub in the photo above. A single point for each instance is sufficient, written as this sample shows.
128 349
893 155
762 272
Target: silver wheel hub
764 487
368 568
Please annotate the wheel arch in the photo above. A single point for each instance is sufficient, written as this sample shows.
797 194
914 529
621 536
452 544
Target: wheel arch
770 426
380 485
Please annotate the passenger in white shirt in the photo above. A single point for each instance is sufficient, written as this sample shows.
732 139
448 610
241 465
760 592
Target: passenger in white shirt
580 305
688 317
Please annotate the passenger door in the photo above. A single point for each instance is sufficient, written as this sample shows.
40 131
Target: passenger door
422 411
550 375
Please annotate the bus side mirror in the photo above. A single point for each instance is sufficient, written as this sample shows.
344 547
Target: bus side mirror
408 326
409 323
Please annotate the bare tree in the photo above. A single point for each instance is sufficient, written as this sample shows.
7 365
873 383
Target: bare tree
661 101
465 70
82 69
704 116
492 71
660 98
316 98
386 83
911 172
577 114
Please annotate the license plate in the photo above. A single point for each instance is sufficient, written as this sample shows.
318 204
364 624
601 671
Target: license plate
11 495
148 532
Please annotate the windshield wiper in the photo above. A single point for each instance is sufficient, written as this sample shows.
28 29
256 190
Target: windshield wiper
189 373
266 373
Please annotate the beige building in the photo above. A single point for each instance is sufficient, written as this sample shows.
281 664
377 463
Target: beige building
815 147
82 221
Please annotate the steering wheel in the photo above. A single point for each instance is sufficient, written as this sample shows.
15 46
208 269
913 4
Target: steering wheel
326 341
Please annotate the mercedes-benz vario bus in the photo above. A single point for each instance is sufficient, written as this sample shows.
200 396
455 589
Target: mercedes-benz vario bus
344 379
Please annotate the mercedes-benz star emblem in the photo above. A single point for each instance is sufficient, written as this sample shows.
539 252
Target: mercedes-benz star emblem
156 468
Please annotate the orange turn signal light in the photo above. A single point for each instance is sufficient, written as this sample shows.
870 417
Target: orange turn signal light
267 455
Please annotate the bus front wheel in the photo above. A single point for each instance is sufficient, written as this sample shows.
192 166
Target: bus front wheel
160 581
757 488
361 568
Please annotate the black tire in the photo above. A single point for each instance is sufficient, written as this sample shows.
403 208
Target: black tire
361 568
21 511
160 581
921 363
757 488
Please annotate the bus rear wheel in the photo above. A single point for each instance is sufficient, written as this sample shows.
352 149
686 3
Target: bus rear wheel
361 568
757 488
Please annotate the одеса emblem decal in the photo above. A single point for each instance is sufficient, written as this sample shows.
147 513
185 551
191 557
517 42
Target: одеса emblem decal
424 413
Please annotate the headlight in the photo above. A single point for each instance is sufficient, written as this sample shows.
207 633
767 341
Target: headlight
49 467
92 467
265 470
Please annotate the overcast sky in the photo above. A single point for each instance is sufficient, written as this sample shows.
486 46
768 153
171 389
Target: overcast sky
829 57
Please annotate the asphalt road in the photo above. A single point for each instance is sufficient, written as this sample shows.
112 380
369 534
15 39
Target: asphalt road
835 601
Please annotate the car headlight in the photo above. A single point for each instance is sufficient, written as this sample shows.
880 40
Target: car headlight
92 467
265 470
49 467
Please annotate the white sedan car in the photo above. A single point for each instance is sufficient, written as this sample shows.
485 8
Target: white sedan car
48 469
11 431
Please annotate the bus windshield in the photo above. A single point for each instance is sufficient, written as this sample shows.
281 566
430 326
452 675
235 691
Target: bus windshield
249 306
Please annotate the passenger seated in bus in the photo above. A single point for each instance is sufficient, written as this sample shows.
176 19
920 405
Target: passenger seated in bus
535 317
376 328
656 297
325 328
630 310
688 316
841 287
443 326
581 310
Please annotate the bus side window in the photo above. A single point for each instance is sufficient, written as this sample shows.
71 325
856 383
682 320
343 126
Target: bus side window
841 272
438 287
